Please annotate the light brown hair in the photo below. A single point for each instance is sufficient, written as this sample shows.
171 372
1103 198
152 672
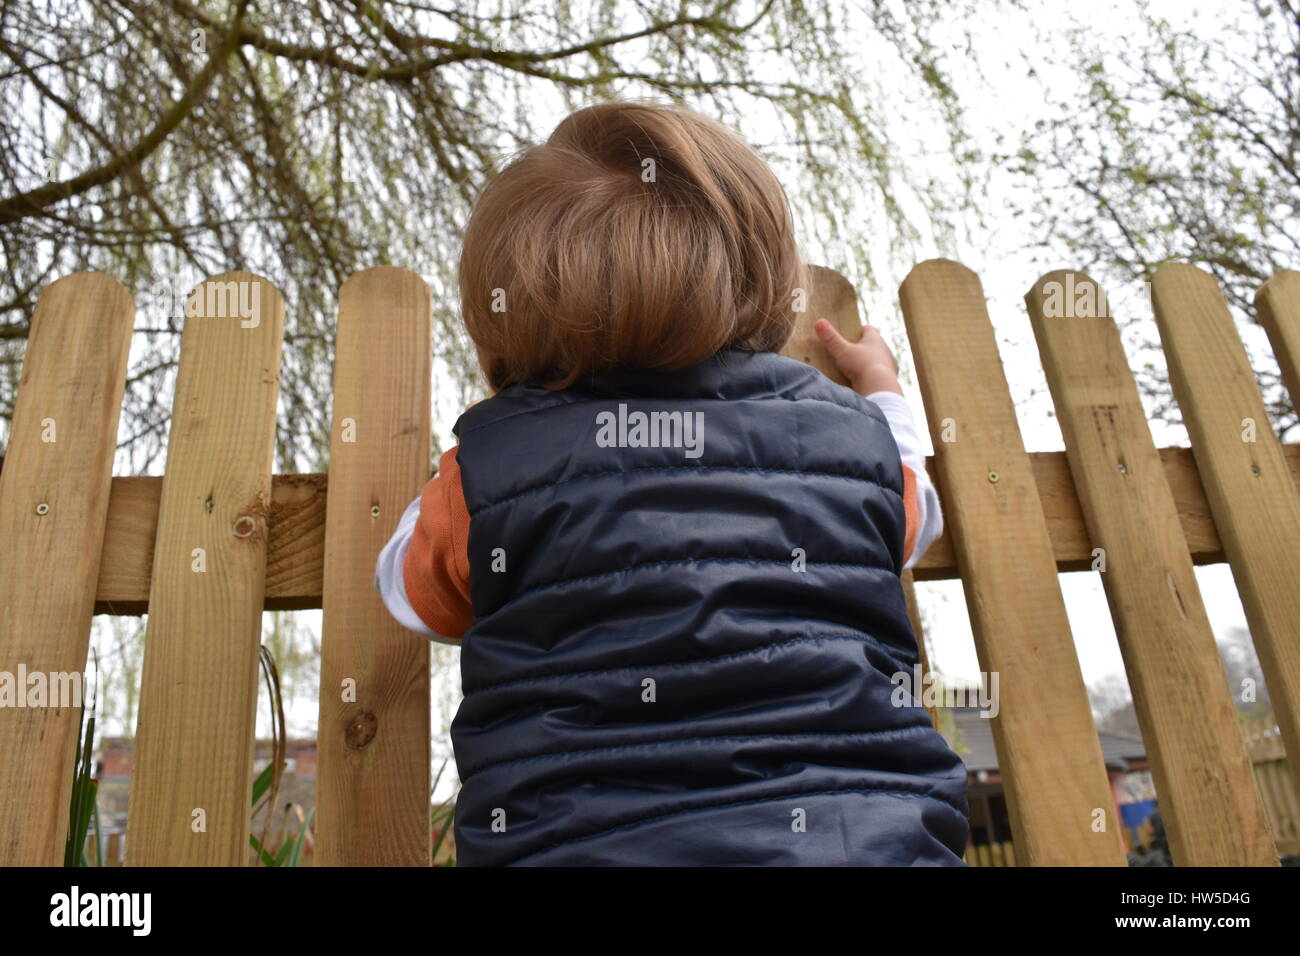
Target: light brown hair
639 235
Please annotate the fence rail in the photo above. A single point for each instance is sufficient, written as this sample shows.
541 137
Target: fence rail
295 559
219 538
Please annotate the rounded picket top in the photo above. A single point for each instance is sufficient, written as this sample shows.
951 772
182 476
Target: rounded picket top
1184 272
949 270
229 294
1068 293
1284 282
386 274
829 296
834 293
1059 275
1278 305
384 297
96 286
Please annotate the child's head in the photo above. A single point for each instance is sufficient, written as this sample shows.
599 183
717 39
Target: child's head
637 236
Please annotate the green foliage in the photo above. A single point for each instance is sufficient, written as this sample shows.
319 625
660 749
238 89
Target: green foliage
266 785
338 137
442 822
83 809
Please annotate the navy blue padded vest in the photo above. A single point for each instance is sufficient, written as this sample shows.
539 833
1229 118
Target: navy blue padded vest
682 655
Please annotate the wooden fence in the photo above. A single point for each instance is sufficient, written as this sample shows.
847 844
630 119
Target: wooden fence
991 854
217 540
1276 782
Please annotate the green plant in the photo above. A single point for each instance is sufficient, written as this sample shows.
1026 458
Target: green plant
266 786
443 818
83 807
441 823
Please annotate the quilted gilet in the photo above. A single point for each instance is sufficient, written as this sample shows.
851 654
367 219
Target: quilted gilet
685 627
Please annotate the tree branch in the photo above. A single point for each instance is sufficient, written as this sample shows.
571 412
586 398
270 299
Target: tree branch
34 201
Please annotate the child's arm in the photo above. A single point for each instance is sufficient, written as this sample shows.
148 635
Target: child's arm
920 499
423 572
872 370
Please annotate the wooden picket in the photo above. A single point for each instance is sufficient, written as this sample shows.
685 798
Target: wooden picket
833 298
1212 812
198 697
1278 302
373 739
53 508
1058 795
1014 520
1247 482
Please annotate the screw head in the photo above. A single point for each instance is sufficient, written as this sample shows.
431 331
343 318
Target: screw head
993 477
42 509
374 511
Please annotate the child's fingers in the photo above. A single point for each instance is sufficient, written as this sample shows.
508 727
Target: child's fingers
876 338
830 336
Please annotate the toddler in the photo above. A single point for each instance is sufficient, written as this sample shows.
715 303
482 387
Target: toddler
670 556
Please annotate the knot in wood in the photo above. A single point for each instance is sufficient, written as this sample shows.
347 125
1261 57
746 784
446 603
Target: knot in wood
361 730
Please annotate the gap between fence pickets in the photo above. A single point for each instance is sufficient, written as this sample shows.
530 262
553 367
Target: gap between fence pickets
296 553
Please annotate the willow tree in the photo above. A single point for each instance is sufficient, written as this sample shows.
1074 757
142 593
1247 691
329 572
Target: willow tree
1181 144
165 140
162 141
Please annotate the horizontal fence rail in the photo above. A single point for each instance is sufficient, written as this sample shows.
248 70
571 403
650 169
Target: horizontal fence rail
219 539
296 551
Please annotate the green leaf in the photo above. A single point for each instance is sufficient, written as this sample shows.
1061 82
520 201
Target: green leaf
295 858
85 788
265 857
263 782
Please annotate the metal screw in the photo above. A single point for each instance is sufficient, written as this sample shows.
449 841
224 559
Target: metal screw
993 477
42 509
1123 468
374 511
1255 470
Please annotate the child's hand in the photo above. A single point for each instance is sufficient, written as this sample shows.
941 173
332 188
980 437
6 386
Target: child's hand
868 364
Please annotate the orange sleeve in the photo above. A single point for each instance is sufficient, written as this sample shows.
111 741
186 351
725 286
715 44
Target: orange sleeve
911 512
436 572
